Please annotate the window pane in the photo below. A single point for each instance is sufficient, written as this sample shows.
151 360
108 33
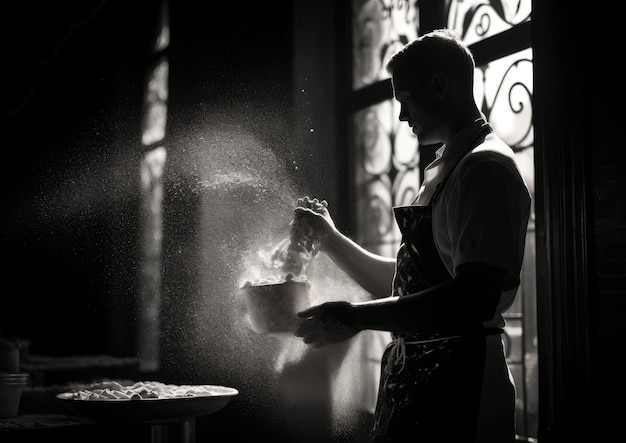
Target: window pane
475 20
504 89
380 28
387 174
152 166
155 104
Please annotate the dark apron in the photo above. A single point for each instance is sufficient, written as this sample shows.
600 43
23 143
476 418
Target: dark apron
430 383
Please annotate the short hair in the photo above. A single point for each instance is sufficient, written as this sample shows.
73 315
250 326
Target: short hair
440 50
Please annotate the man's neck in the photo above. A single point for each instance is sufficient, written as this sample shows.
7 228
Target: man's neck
463 117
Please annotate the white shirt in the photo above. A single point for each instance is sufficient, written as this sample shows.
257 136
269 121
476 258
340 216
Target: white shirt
482 212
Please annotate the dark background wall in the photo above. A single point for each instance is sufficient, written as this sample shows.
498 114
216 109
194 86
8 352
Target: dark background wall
606 159
241 146
72 105
581 272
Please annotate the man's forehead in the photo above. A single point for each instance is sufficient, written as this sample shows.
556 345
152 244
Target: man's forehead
399 94
408 82
400 85
403 79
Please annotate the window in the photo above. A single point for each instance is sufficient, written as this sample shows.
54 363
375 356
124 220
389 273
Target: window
151 171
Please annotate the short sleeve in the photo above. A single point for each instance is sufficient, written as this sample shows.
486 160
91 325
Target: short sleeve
487 214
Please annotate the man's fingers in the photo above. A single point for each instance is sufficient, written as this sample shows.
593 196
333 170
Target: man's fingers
308 312
314 339
302 209
310 203
311 338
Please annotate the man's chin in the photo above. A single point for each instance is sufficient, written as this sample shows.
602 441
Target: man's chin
424 139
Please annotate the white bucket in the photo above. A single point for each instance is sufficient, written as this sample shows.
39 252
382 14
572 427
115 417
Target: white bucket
274 307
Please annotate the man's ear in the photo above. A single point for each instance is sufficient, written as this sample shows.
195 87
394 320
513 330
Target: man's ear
439 84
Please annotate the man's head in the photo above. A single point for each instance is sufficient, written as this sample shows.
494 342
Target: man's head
433 79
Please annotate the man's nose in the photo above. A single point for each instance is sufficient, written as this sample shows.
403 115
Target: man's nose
403 117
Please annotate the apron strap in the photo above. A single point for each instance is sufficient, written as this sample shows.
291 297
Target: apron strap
397 347
485 130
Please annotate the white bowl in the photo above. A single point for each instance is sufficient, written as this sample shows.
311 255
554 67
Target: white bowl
274 307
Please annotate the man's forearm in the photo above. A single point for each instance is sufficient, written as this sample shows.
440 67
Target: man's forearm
371 271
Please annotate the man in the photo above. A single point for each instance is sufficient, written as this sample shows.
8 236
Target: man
444 376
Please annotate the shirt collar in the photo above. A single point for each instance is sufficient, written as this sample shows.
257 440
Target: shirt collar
445 157
439 152
460 140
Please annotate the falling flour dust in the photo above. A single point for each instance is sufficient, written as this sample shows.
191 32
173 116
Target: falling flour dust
247 195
